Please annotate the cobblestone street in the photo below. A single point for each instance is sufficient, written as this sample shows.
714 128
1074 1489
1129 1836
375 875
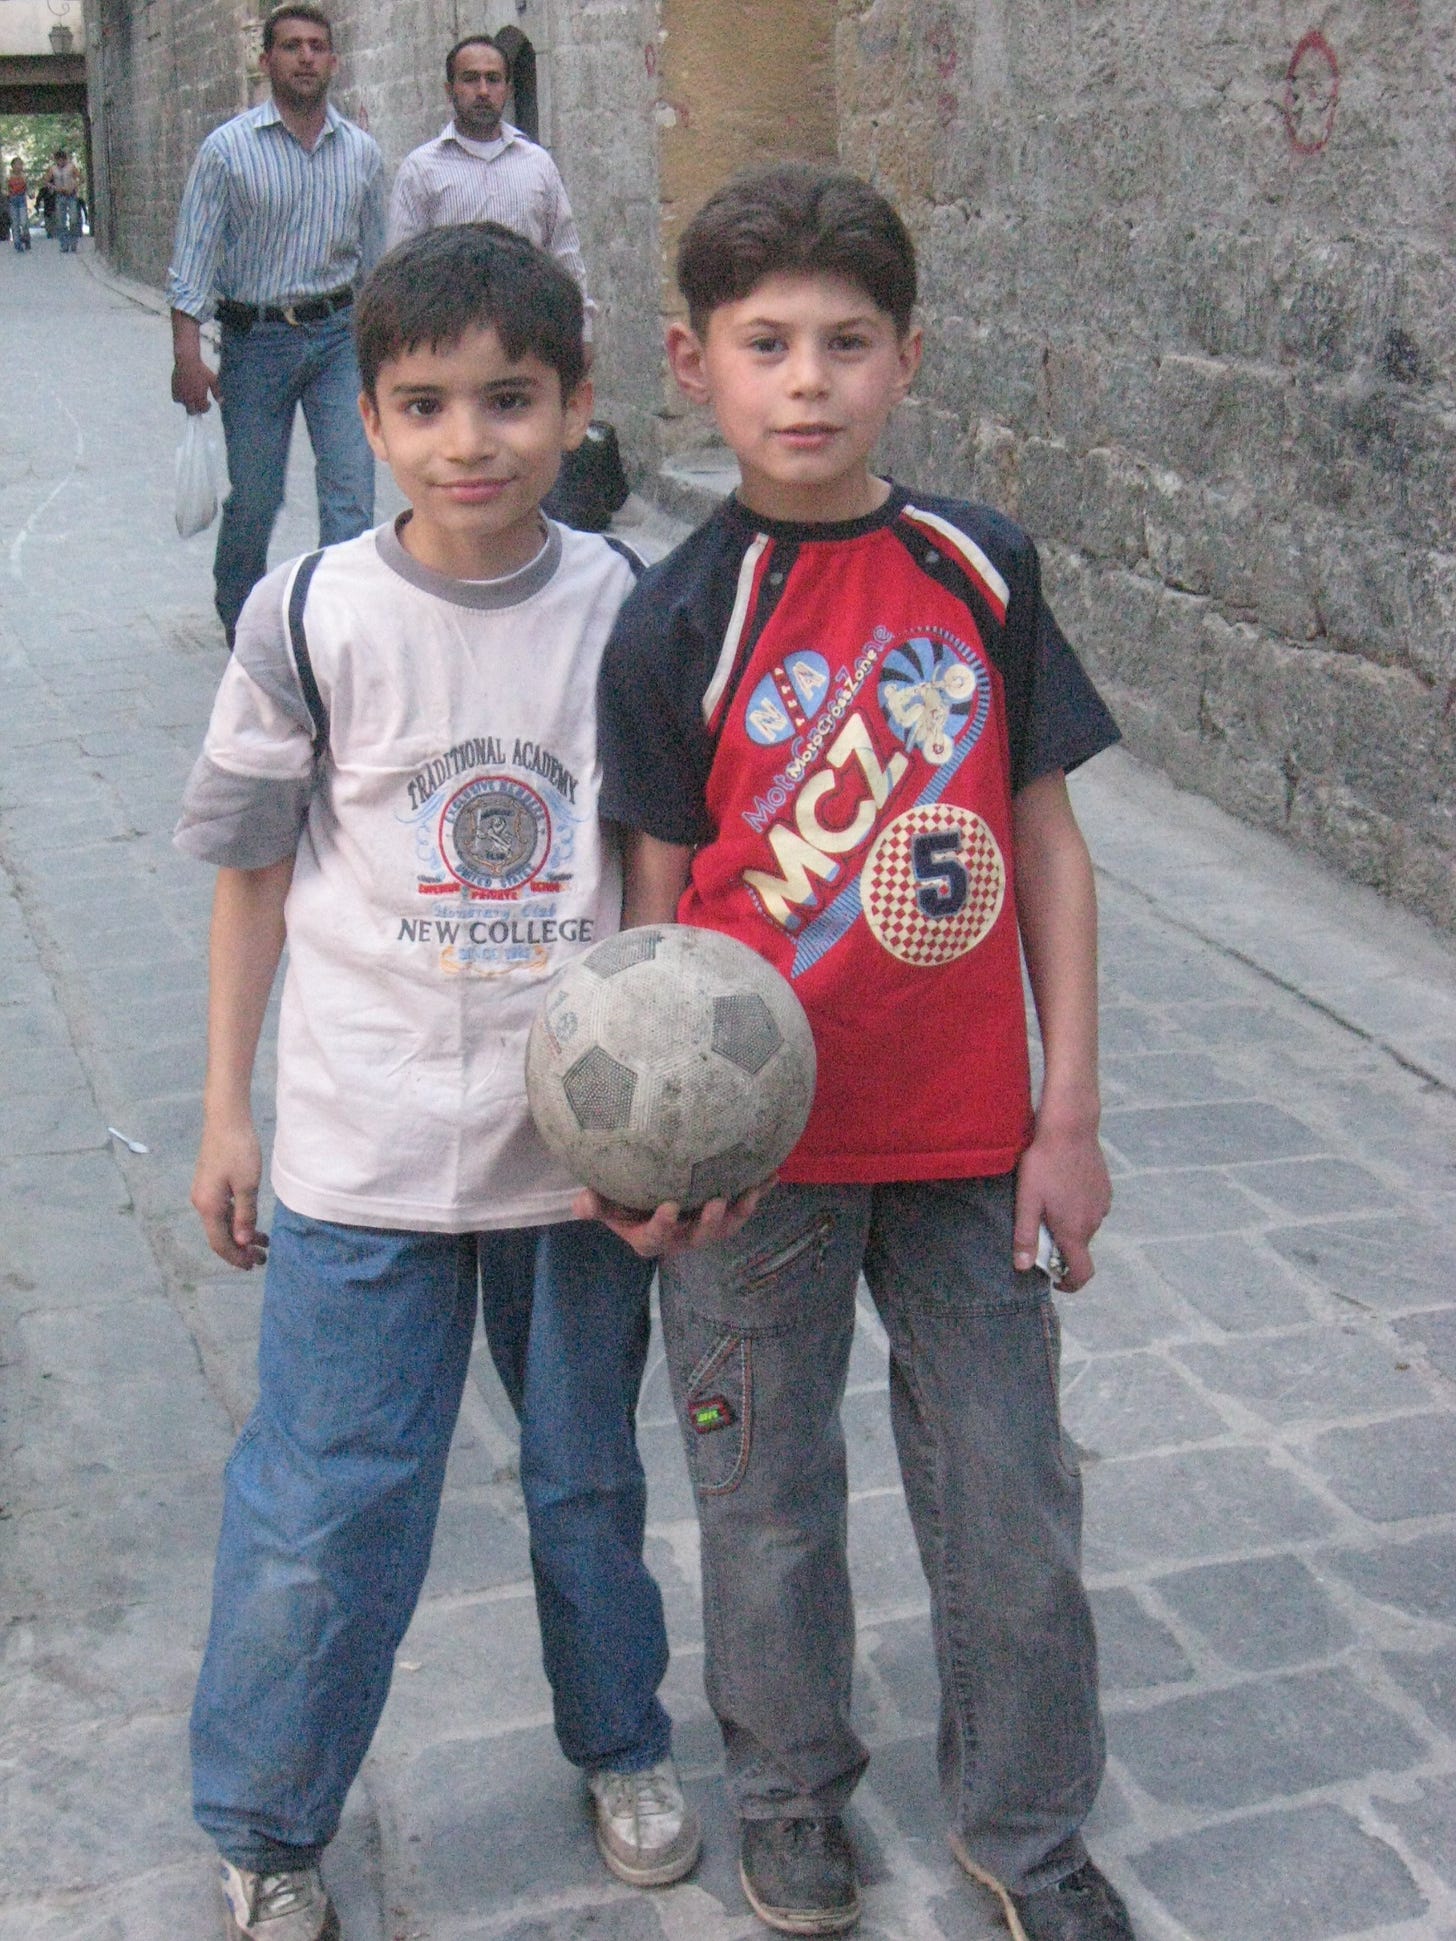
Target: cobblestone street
1261 1380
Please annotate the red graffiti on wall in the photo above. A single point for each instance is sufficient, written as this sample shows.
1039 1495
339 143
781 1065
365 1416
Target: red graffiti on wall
1311 93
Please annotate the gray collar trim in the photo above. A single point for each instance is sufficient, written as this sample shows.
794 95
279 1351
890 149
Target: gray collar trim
485 596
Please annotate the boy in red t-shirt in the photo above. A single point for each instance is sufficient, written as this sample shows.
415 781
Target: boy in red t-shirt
836 724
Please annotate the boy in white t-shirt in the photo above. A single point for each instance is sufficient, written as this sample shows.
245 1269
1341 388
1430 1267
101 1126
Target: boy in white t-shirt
400 777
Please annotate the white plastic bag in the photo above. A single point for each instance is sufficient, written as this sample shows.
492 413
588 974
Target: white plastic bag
200 476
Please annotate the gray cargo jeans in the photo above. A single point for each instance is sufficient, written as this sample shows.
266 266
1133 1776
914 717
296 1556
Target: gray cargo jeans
758 1334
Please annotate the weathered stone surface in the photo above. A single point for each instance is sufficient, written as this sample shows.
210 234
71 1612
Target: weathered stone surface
1308 1875
1133 1649
1206 1502
1239 1286
1119 1405
1391 1470
1276 1736
1308 1376
1259 1614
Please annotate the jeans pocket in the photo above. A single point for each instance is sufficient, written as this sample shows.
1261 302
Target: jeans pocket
247 1435
718 1412
803 1252
1051 1328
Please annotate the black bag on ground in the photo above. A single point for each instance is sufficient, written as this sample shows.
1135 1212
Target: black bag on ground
591 485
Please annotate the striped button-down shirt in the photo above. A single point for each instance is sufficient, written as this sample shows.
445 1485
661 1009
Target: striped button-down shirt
510 181
266 220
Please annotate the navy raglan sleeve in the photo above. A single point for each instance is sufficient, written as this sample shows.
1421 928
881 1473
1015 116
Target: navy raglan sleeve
1065 721
654 747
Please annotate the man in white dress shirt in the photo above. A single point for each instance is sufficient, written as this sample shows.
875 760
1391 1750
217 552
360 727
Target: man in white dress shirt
481 169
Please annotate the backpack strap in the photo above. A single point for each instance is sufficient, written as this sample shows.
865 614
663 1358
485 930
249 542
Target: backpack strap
298 640
634 559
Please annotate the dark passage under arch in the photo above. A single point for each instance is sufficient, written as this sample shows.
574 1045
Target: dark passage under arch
525 109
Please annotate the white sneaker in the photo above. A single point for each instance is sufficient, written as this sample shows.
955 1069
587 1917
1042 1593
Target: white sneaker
277 1907
646 1832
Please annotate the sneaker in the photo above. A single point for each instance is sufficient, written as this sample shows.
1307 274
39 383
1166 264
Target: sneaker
646 1832
799 1874
1084 1906
277 1907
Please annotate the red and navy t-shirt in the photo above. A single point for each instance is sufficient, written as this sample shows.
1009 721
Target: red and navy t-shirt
836 718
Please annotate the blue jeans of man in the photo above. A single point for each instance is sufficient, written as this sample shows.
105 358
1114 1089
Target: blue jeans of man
68 223
333 1489
19 222
265 374
758 1334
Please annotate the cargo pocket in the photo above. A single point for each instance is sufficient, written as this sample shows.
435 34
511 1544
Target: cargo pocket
718 1415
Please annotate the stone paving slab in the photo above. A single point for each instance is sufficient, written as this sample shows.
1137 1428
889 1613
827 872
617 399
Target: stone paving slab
1260 1386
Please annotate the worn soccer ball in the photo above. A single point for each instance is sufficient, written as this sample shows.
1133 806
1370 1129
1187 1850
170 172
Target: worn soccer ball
670 1063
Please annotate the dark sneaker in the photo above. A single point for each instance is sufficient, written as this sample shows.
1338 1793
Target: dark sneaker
277 1907
646 1832
1084 1906
799 1875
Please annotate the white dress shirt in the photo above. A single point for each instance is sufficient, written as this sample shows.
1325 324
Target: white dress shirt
510 180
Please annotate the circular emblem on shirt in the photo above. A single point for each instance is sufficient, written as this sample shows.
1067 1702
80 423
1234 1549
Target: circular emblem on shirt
933 884
494 833
929 694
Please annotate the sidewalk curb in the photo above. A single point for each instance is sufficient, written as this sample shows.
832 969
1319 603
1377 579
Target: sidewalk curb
141 294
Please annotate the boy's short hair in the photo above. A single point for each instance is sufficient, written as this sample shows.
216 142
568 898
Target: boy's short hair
297 10
795 217
474 40
433 288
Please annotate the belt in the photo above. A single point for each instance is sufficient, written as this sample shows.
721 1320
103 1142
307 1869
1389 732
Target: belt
242 316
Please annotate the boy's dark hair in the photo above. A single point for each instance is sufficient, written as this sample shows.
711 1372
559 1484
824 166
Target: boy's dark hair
431 290
297 10
795 217
474 40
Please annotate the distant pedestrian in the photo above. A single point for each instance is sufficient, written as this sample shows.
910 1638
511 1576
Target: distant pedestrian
282 215
17 190
63 179
481 169
45 208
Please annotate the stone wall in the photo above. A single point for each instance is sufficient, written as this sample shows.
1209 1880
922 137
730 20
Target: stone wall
1188 297
162 73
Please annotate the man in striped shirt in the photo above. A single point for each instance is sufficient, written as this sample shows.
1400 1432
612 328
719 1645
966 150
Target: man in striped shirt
282 216
481 169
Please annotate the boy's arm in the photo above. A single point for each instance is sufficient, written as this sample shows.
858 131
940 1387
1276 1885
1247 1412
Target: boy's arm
1062 1177
247 942
654 876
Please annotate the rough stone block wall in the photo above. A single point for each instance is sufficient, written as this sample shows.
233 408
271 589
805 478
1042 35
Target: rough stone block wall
1188 295
603 72
169 71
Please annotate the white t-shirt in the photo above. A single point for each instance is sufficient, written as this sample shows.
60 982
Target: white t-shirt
449 859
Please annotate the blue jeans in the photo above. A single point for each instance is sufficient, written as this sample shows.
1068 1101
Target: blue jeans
334 1486
758 1335
266 373
19 222
68 223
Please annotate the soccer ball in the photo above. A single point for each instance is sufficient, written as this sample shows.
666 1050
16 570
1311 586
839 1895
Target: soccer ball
670 1063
